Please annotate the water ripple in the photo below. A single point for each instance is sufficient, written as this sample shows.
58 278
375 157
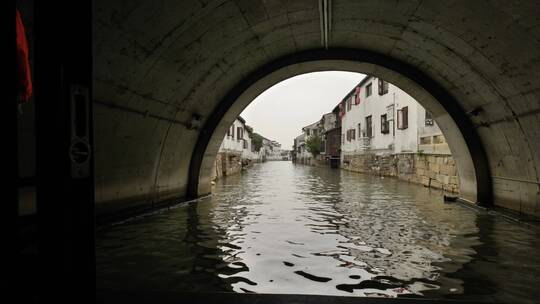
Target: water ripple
280 228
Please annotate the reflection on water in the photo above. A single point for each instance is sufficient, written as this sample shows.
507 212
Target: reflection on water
281 228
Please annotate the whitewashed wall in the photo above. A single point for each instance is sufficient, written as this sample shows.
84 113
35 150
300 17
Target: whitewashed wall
230 142
396 140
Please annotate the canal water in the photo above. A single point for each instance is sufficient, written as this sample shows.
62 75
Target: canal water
293 229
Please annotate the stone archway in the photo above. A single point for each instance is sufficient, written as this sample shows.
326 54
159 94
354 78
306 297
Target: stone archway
157 65
466 146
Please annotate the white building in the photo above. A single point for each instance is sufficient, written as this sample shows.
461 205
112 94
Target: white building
327 122
430 138
249 150
270 150
274 150
238 141
234 141
381 118
302 154
236 151
299 148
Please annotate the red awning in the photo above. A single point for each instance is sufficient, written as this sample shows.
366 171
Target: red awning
24 79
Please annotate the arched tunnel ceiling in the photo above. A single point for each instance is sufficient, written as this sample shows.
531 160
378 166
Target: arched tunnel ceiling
158 62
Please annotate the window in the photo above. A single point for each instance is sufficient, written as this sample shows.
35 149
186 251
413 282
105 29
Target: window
360 130
351 134
349 104
425 140
245 144
403 118
368 90
356 96
438 139
307 132
383 87
429 119
232 131
369 130
239 133
384 124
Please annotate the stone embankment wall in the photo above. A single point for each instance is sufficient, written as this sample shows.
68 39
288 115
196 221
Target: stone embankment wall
431 170
227 163
304 161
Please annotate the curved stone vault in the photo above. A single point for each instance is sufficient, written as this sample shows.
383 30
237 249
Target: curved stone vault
161 67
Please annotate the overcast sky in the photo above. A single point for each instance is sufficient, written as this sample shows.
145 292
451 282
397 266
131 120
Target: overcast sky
280 112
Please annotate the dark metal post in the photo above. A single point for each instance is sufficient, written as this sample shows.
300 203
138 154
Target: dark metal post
64 134
9 209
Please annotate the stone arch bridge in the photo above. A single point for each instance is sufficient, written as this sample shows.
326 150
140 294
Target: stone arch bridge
170 76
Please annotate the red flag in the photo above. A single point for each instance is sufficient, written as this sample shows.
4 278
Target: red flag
23 65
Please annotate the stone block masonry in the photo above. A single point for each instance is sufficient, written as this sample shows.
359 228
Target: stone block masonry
431 170
228 163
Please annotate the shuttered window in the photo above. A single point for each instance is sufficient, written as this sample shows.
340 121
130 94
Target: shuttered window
384 124
369 130
239 133
351 134
383 87
403 118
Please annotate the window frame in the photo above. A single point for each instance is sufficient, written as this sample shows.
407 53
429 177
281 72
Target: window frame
403 118
385 124
382 87
369 126
239 133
